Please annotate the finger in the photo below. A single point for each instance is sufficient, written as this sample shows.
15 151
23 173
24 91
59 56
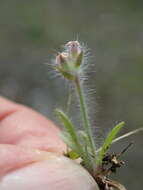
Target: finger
57 172
22 126
13 157
24 168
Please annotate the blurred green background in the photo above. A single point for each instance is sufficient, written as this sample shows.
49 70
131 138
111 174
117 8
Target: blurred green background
31 32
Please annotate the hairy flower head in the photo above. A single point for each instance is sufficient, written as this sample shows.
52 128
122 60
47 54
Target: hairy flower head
68 62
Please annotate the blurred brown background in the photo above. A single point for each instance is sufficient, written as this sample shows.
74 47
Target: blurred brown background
31 32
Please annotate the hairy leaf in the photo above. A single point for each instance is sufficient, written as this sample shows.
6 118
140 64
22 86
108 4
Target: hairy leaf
108 141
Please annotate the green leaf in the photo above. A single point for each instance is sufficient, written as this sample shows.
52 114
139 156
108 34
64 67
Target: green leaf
108 141
71 139
68 125
85 140
71 131
73 155
127 134
65 136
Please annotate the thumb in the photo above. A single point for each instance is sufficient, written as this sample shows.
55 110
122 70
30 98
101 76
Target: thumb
30 153
52 173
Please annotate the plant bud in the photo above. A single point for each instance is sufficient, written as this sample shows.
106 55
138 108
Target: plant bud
61 61
68 62
61 58
74 48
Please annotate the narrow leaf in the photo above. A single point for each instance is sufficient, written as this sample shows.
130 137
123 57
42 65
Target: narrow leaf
127 134
71 139
73 155
68 140
108 141
85 140
74 142
68 125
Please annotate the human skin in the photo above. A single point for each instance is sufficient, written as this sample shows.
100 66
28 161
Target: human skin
31 153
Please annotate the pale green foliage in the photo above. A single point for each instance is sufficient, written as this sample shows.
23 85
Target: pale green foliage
71 138
128 134
68 126
81 143
108 141
72 154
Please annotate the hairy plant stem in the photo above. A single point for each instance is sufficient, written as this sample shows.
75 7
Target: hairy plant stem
84 114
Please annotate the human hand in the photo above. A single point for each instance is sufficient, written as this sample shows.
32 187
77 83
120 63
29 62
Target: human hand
31 153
